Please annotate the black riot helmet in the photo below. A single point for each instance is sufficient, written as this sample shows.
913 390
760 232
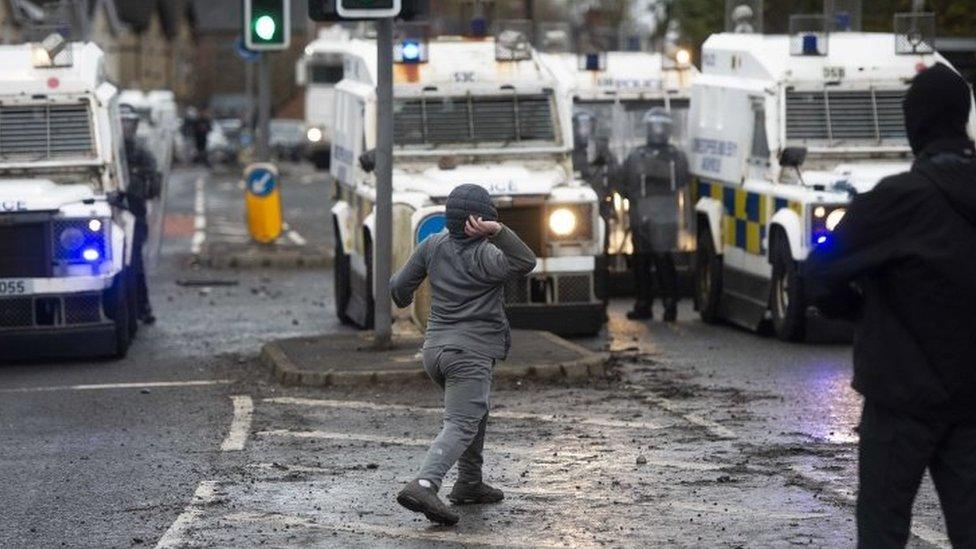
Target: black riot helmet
130 121
658 123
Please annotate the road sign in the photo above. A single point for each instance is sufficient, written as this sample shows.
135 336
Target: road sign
241 50
267 24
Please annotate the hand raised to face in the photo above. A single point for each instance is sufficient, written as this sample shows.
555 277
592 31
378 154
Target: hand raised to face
477 227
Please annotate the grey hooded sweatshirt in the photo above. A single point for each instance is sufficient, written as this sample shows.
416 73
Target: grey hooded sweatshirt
467 278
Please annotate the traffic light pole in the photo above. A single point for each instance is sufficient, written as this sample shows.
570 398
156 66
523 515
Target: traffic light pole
264 108
384 181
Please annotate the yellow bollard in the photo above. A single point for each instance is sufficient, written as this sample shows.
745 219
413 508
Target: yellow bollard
262 197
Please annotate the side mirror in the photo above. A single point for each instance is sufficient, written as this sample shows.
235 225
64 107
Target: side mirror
793 157
367 161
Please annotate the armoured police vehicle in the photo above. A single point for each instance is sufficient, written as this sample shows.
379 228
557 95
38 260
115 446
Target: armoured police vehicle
319 70
64 241
482 111
611 92
783 131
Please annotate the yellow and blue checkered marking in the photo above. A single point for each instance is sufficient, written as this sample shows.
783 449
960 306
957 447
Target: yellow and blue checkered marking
746 216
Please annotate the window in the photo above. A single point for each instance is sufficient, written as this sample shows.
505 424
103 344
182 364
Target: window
324 74
473 119
760 143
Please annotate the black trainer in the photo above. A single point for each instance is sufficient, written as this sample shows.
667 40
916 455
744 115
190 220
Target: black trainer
474 492
421 499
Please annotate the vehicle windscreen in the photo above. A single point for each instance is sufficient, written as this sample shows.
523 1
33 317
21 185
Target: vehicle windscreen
35 133
621 122
473 121
323 73
845 117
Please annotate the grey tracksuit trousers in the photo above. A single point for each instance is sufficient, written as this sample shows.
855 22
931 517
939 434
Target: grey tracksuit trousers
466 379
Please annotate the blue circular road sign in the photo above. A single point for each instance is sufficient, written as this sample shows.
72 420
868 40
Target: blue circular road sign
261 182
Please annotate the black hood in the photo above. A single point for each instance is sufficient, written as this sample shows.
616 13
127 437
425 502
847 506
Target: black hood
936 107
467 200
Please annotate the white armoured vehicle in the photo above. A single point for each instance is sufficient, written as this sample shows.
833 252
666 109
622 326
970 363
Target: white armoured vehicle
319 70
469 111
784 129
64 244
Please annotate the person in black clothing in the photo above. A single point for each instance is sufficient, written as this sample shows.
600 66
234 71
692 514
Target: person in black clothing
902 264
652 178
143 186
201 129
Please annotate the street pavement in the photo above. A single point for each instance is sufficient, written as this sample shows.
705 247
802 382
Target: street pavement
703 436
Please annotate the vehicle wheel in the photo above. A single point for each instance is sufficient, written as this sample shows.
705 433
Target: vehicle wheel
370 303
117 309
787 302
132 301
708 277
340 280
322 161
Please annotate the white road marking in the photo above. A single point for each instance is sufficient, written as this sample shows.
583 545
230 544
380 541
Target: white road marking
501 414
293 235
240 425
205 494
523 451
200 221
393 532
714 428
101 386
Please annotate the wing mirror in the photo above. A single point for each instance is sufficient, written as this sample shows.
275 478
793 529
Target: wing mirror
367 161
793 157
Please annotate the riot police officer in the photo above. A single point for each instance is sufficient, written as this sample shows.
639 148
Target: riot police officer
144 185
652 178
593 160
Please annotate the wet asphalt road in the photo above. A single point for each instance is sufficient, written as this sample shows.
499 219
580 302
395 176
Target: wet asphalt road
705 436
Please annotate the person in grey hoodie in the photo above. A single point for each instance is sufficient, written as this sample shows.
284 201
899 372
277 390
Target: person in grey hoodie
467 331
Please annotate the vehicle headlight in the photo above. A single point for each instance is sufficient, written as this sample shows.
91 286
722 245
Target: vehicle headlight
834 217
562 222
314 135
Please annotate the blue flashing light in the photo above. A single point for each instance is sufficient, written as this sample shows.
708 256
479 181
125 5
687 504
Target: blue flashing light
821 239
810 45
843 20
91 254
479 26
410 51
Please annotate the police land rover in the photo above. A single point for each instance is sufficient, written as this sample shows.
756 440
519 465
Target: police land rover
482 111
64 240
784 130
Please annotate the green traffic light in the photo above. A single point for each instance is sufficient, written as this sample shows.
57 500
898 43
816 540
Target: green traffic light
265 27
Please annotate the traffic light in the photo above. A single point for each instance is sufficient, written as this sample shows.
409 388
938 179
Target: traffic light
368 9
267 24
357 10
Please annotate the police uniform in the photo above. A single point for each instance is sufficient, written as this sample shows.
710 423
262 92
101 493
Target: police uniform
143 187
652 178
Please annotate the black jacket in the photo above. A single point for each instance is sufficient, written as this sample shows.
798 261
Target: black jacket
909 246
902 262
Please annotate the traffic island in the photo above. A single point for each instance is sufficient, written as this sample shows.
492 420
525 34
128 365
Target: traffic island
350 359
219 253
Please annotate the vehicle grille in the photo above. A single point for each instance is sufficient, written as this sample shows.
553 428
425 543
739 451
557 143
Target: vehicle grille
529 223
845 115
24 251
574 288
51 311
17 312
43 132
501 118
551 289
